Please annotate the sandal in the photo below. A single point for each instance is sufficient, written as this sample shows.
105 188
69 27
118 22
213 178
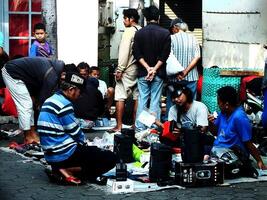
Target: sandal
72 180
113 130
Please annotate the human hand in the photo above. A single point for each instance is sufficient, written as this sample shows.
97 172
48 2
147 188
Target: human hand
176 132
151 72
211 118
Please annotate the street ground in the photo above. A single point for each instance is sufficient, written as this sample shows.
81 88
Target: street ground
21 179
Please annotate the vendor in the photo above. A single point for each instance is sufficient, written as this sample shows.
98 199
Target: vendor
64 142
234 130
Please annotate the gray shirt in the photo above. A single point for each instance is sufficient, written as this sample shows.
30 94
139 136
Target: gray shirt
197 115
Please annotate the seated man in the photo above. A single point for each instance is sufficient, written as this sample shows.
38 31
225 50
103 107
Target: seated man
62 139
234 131
90 105
190 114
108 93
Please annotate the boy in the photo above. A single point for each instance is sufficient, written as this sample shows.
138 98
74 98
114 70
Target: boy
40 47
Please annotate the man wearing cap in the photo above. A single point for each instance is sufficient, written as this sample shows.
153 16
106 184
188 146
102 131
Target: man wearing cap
151 49
30 81
187 51
192 113
62 139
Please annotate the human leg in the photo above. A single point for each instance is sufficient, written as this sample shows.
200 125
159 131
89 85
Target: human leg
24 105
96 161
110 97
156 91
192 85
119 114
144 92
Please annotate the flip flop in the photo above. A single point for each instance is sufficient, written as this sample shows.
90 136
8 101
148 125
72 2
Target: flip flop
113 130
72 180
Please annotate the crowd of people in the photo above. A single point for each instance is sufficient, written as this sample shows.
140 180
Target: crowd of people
50 96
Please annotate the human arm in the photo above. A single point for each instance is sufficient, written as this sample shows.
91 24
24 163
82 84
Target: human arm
71 124
212 126
193 62
33 50
256 155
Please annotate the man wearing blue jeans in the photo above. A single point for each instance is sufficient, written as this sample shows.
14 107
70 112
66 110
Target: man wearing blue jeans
151 49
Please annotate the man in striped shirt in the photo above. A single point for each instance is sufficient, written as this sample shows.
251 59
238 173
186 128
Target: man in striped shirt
186 49
62 139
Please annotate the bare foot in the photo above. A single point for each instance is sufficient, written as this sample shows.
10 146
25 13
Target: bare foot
115 129
31 136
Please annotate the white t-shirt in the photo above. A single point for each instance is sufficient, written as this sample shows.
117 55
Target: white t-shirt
197 115
102 87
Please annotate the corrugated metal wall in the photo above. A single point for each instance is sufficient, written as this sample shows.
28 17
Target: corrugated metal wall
234 33
189 10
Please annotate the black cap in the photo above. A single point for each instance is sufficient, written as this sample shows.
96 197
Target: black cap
176 90
176 21
75 79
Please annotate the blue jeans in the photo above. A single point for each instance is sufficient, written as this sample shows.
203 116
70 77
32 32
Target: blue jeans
192 85
152 89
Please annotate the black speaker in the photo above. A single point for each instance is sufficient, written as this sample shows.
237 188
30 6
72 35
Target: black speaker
192 145
160 162
199 174
123 145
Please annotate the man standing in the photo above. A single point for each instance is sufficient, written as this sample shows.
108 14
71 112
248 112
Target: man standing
151 49
30 81
186 50
126 73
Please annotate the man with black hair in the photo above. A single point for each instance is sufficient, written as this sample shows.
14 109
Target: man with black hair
234 130
30 81
62 139
83 69
192 113
126 72
151 49
90 105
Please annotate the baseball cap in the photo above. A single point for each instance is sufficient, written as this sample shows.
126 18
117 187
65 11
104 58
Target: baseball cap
176 21
176 91
75 79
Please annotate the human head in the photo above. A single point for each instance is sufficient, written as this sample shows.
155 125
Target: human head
83 69
39 32
72 85
130 16
94 72
177 25
151 13
182 96
68 68
227 99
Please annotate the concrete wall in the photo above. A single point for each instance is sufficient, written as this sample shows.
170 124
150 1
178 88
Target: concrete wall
234 33
77 31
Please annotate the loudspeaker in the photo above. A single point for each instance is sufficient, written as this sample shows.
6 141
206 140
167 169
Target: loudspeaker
160 162
199 174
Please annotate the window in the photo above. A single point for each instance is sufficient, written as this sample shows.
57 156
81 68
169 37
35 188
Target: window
22 15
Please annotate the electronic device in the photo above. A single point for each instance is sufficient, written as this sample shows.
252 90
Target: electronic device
199 174
121 172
